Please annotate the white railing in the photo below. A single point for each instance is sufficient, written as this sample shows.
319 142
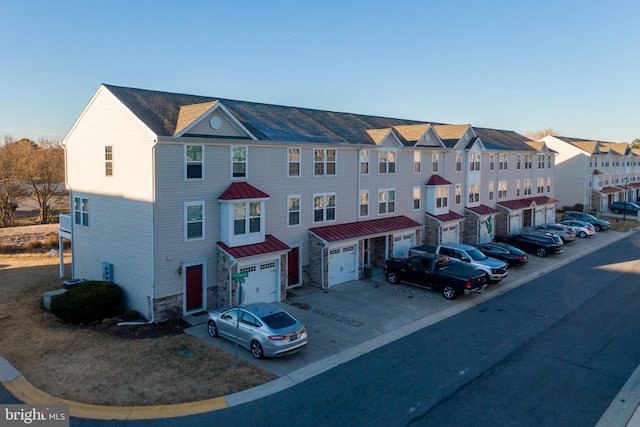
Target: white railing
65 223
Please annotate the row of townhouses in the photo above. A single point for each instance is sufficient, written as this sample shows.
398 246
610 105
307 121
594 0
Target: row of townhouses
178 198
594 174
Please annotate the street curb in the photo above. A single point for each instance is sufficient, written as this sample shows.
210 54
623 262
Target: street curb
23 390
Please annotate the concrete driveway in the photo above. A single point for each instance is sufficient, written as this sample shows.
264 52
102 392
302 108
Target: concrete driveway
355 317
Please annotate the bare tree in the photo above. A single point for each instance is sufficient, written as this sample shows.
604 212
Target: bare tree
635 143
534 136
11 188
42 169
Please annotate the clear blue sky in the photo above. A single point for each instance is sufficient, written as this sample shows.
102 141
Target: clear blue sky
518 65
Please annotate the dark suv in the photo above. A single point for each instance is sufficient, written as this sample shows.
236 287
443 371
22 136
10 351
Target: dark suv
598 224
619 207
536 242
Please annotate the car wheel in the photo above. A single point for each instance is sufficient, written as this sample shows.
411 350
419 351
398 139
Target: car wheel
212 328
582 234
256 350
616 211
598 227
541 252
449 292
393 278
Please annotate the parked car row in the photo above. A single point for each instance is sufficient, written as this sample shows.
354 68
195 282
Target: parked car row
624 207
453 268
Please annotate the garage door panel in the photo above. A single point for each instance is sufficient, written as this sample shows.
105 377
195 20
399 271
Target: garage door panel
342 264
261 283
401 245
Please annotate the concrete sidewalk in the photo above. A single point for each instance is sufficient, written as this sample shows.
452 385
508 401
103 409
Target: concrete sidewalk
343 323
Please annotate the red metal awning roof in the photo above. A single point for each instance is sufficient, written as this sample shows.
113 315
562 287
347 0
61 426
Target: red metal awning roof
242 191
483 210
352 230
450 216
527 203
437 180
270 245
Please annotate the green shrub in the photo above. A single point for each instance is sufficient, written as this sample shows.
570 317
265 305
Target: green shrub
88 302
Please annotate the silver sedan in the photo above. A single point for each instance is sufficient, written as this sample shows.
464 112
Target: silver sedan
264 329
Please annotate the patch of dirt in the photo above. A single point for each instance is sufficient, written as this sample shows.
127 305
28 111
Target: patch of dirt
105 364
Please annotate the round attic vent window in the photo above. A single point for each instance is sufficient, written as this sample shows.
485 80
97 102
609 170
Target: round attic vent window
215 122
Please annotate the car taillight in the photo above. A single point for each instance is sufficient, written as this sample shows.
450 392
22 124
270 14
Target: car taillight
468 285
277 337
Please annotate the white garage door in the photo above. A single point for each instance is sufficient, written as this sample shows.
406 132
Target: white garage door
540 218
486 230
261 285
450 234
401 245
515 223
342 264
551 214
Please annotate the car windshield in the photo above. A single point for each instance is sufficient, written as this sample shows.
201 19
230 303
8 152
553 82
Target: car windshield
278 320
476 255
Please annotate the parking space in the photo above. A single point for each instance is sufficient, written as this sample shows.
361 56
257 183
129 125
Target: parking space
355 317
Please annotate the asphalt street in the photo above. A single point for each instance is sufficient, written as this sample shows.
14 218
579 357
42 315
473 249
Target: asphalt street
391 355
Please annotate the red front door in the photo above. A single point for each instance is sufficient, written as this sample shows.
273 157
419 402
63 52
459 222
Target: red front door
194 287
293 267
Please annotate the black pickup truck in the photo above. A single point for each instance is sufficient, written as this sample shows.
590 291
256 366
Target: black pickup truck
435 271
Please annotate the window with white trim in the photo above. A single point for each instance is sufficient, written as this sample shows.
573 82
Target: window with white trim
246 218
324 207
502 190
492 161
517 188
417 161
81 211
442 197
474 161
502 161
194 221
527 187
474 193
293 210
458 190
364 203
386 162
108 160
194 162
386 201
549 161
324 161
458 161
435 161
364 162
540 185
518 161
540 161
239 162
491 190
416 198
527 161
548 185
293 162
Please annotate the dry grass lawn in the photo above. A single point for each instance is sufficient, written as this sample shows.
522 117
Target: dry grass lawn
84 365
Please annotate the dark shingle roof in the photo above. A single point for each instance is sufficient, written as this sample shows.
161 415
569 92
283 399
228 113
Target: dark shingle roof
267 122
495 139
159 111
